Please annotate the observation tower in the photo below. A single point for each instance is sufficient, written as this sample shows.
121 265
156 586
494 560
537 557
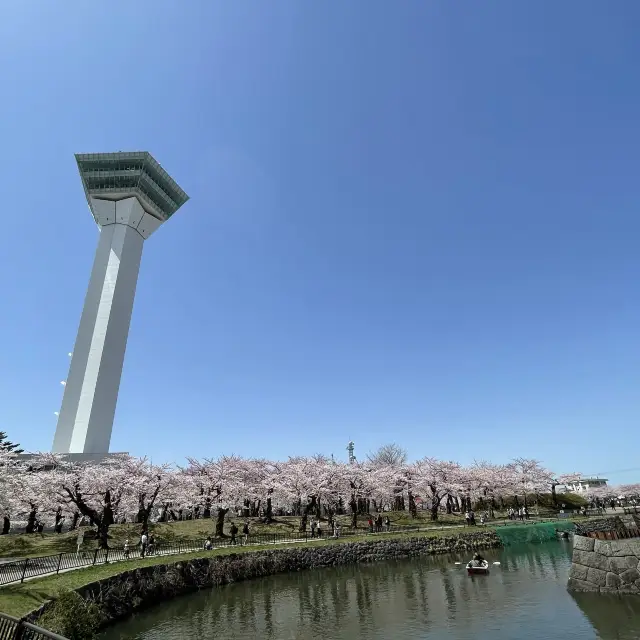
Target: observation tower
130 195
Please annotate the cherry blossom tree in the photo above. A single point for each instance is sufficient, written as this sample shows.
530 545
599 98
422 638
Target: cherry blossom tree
628 490
384 483
215 484
32 495
528 476
147 485
434 479
357 482
299 485
329 488
270 484
98 491
51 487
485 483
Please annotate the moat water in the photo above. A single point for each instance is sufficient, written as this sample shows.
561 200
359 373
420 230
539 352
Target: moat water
524 597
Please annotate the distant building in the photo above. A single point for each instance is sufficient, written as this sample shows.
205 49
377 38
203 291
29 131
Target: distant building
584 485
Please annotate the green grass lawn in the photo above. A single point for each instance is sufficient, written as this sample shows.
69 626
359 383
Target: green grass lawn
42 544
20 599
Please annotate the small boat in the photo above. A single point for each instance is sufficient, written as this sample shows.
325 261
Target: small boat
474 567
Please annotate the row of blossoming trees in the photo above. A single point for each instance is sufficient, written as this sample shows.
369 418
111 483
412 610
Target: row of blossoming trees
48 489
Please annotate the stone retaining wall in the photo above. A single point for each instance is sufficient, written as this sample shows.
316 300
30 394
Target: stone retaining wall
129 591
606 566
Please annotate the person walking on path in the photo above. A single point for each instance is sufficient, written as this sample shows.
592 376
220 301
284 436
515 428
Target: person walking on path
313 528
387 523
234 533
126 549
144 541
80 540
245 533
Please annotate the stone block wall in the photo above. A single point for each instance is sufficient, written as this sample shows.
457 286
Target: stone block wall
130 591
605 566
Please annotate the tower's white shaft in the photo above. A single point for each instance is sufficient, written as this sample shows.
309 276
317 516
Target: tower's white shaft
89 403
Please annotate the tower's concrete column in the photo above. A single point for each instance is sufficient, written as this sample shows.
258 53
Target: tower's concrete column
91 391
130 195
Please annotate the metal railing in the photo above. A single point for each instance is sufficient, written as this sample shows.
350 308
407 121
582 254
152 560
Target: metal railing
21 570
16 629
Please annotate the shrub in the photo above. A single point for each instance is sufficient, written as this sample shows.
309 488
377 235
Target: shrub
73 617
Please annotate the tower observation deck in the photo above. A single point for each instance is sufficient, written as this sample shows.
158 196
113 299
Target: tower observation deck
130 195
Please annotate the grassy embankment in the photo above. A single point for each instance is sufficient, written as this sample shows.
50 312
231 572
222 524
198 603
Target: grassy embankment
33 545
22 545
42 544
20 599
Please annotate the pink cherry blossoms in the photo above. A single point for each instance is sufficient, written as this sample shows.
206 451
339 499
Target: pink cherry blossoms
48 489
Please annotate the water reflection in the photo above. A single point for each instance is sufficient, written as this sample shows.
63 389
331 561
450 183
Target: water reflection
523 598
613 617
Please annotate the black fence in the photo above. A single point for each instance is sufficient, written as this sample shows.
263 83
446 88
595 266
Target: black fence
21 570
15 629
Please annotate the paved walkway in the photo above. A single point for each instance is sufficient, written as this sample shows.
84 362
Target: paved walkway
85 558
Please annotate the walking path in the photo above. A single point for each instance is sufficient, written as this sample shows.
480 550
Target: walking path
86 559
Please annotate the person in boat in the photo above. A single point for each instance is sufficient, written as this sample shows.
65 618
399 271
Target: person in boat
562 534
478 560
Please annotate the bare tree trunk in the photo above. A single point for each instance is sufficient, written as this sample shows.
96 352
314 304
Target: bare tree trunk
434 511
59 519
6 525
330 517
220 522
31 520
353 504
449 504
268 516
309 507
413 509
435 504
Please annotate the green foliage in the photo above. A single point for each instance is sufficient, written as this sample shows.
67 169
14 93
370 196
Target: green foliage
72 617
571 500
545 501
7 445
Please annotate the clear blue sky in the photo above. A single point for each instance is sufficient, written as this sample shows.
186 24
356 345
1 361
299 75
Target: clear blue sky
409 221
